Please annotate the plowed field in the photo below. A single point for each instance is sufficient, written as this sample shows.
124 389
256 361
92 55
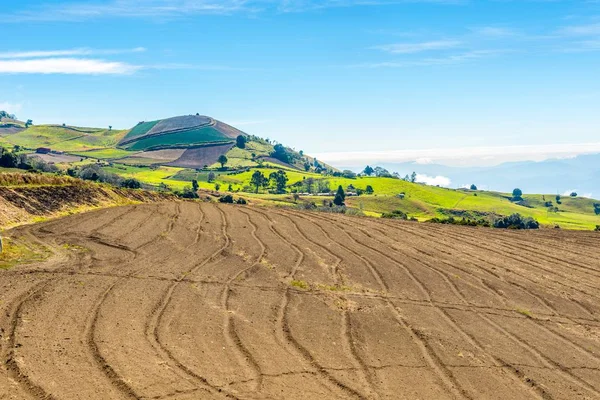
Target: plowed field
186 300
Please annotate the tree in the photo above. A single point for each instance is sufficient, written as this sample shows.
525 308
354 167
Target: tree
217 186
369 189
473 187
280 153
301 152
340 196
558 199
368 171
226 199
573 194
28 123
230 188
110 127
517 194
211 176
413 177
279 179
195 186
258 179
222 160
597 208
306 166
348 174
309 184
131 183
240 141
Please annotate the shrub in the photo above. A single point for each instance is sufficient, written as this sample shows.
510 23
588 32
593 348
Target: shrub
226 199
131 184
369 189
463 221
516 221
597 228
597 208
241 200
396 214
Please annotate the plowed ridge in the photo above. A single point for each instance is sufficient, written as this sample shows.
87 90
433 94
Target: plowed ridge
187 300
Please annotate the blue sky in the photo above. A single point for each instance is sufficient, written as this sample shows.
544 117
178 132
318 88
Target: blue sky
352 81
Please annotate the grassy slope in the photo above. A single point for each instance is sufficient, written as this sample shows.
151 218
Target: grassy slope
65 139
420 201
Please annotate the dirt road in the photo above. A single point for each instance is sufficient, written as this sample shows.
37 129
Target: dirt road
183 300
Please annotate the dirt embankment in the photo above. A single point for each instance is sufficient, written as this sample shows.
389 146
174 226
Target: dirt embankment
27 203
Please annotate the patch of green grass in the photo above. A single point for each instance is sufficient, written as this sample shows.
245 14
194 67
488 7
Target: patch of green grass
524 312
300 284
187 138
16 252
104 154
141 129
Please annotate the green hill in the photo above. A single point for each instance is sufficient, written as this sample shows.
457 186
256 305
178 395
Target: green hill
171 153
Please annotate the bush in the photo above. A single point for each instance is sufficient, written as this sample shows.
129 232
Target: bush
226 199
516 221
463 221
597 228
396 214
241 201
131 184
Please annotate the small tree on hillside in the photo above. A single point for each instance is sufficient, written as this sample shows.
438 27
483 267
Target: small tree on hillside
413 177
340 196
573 194
257 180
517 194
195 185
473 187
369 189
217 186
28 123
222 160
368 170
240 141
279 180
211 176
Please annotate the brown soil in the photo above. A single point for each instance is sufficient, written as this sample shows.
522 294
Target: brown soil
200 156
22 204
184 300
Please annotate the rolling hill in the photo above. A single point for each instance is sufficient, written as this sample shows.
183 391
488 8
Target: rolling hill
171 153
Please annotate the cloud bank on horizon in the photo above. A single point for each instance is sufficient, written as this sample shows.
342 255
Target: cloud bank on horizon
466 156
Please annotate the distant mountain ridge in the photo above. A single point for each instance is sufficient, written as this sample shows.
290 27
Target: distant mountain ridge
580 174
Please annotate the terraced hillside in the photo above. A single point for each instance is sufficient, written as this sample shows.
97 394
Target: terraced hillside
184 131
197 300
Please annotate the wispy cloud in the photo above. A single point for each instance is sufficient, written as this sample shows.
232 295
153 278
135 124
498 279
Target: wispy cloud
11 108
73 66
433 61
460 155
494 31
581 30
67 53
165 9
409 48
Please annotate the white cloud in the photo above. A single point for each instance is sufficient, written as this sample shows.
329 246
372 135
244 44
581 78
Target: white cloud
434 180
492 31
67 53
489 155
77 66
587 195
581 30
423 161
408 48
165 9
11 108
